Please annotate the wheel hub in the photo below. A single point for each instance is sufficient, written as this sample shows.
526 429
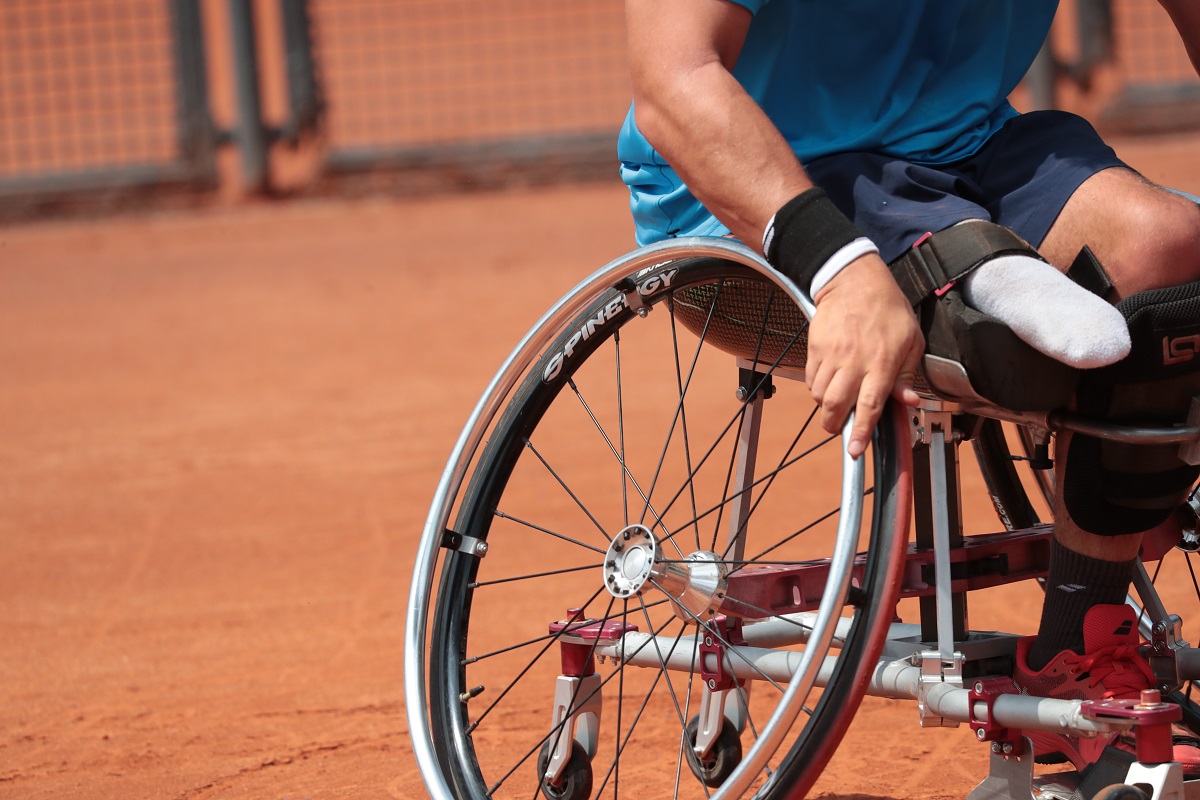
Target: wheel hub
629 562
634 563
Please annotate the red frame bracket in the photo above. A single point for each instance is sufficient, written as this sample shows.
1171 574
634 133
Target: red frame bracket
986 690
1151 717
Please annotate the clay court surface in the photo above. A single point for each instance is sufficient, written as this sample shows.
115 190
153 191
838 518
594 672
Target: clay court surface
220 432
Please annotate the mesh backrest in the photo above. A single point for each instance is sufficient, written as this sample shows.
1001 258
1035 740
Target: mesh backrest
752 319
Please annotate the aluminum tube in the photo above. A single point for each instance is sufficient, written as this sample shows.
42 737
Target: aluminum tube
788 629
755 660
897 680
1042 714
1187 661
743 663
901 680
894 679
1131 434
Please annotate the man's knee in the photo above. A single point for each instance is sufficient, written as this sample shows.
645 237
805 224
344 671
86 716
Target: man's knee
1146 236
1162 247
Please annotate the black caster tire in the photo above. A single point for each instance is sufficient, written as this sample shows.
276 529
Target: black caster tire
576 777
726 754
1121 791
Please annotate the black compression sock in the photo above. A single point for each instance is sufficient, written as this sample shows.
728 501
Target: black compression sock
1074 584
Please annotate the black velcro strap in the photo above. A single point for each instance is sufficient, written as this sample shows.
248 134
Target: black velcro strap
805 233
936 262
1087 271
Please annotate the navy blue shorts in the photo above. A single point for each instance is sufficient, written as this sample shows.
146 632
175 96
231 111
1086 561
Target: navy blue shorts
1021 179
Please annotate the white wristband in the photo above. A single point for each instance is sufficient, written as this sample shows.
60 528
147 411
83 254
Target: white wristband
839 261
768 234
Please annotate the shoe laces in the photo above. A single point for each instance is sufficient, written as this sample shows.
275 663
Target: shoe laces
1102 663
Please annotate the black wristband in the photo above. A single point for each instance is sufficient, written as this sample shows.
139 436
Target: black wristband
804 234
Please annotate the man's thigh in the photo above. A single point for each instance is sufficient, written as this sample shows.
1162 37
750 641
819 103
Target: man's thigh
1022 178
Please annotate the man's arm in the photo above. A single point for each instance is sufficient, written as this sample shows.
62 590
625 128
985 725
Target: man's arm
689 106
864 344
1186 16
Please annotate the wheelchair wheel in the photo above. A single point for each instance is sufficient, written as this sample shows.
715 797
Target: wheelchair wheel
1166 584
638 562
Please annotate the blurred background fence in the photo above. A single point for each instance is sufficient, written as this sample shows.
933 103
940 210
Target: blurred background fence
122 98
102 93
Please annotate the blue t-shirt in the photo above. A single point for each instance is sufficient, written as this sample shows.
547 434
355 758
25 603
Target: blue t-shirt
923 80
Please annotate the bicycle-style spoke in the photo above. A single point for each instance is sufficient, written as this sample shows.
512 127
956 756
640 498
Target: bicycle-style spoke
730 647
627 475
827 515
554 731
532 526
521 674
681 387
529 445
551 637
764 479
751 394
769 479
623 742
1187 559
679 414
621 457
735 419
533 575
758 481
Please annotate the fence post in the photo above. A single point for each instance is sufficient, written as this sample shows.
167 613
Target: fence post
197 134
304 92
249 133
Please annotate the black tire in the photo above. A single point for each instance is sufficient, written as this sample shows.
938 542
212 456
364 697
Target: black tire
568 465
1121 791
576 781
721 761
998 466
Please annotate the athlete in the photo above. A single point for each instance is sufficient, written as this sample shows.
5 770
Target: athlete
836 134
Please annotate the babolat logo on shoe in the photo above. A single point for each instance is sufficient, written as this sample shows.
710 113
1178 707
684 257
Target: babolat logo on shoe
648 287
1124 628
1180 348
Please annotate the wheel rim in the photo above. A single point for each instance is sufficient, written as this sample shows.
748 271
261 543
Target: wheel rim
465 583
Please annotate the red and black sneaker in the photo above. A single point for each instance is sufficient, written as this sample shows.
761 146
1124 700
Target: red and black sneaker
1111 666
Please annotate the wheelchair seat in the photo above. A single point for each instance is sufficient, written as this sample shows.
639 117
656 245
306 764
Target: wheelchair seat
989 363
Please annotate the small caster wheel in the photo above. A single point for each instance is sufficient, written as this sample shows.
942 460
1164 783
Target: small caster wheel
576 779
1121 791
724 757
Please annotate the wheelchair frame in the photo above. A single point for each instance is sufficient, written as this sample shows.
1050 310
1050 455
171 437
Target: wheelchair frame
942 566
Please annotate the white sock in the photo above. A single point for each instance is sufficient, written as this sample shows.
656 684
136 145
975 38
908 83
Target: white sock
1048 311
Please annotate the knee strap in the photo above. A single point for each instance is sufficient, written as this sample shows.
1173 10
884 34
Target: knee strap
1111 488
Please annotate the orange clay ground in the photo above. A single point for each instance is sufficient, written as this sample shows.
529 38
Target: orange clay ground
220 432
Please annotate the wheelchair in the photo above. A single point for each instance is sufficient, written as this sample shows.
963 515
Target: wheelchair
648 572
